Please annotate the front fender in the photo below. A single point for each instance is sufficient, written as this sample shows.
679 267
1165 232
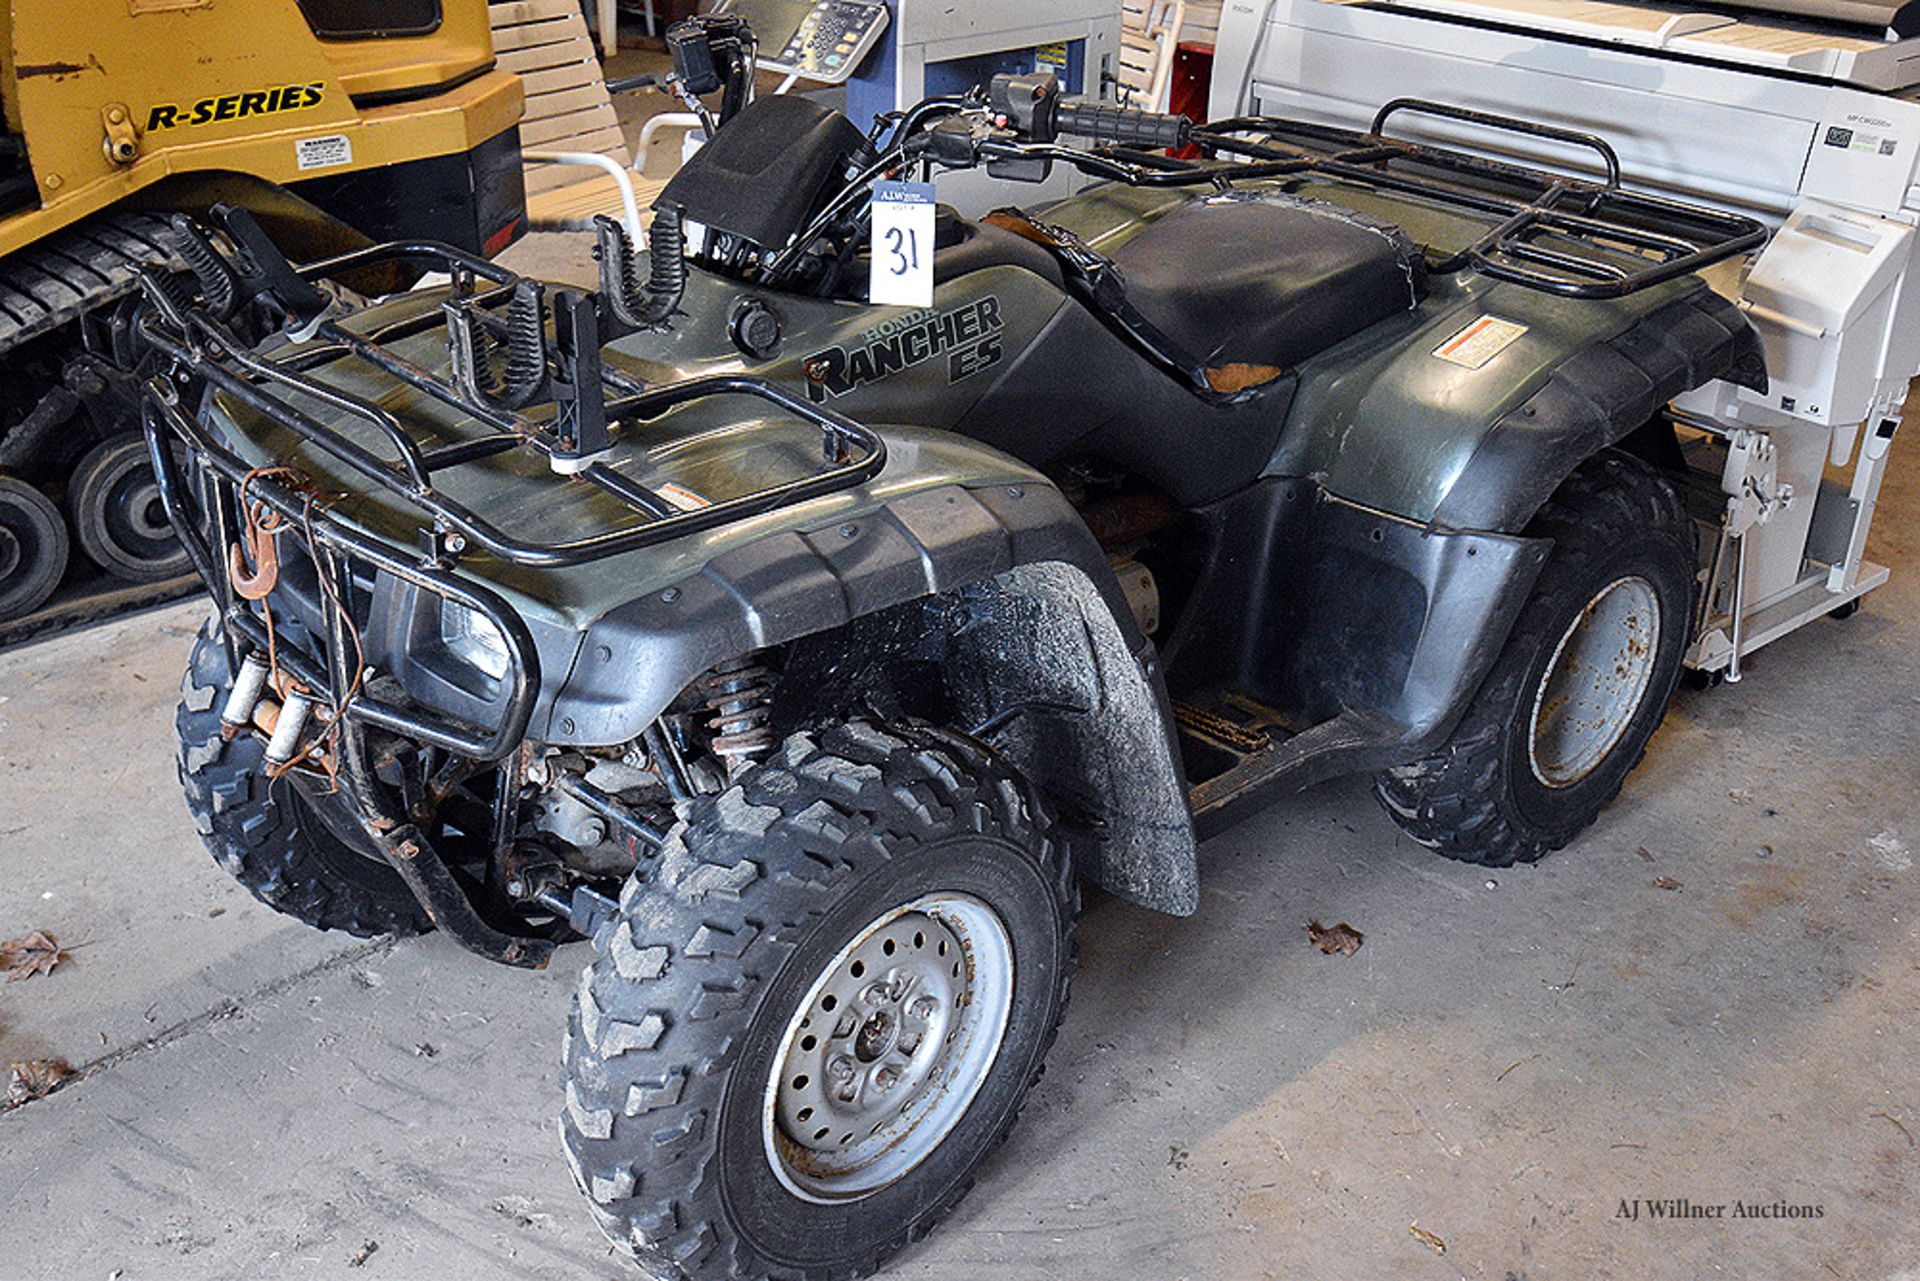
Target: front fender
1037 628
794 582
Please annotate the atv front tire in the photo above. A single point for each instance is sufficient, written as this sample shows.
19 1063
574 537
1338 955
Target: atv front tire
1584 680
821 1011
272 838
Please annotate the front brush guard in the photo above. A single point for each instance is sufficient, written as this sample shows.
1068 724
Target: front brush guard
335 544
200 349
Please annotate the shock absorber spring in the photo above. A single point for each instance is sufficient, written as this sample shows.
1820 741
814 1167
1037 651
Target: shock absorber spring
739 693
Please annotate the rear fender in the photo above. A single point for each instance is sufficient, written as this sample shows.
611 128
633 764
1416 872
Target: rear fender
1480 442
1378 574
998 592
1596 399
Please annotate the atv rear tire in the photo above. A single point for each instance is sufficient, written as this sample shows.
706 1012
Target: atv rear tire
1584 680
272 839
823 1009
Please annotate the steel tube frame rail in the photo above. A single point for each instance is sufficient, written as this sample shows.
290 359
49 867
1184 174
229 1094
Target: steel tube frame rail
852 453
223 473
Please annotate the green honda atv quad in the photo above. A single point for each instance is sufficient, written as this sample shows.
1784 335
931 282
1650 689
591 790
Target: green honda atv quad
808 655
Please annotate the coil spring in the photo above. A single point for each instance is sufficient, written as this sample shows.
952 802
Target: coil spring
739 693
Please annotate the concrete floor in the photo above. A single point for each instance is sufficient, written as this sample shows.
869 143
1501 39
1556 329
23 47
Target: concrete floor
1504 1062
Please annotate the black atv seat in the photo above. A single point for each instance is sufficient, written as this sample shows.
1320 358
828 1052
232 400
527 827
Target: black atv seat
1262 282
1246 286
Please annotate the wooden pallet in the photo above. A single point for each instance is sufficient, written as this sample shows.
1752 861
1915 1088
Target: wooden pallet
568 109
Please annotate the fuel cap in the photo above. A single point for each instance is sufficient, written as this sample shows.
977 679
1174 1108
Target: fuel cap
754 328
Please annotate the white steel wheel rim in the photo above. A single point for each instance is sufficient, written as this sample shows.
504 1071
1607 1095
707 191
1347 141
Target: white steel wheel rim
1595 682
888 1048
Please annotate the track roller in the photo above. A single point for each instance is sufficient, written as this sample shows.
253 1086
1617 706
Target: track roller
33 548
117 513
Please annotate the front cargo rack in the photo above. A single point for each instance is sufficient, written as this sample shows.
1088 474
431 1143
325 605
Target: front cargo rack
594 407
555 399
1548 231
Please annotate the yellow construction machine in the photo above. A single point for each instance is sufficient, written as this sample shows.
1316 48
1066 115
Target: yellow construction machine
335 122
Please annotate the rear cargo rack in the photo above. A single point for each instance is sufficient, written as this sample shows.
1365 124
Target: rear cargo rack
1548 231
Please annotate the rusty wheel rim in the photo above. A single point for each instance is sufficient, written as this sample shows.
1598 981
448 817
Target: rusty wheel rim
1595 682
888 1048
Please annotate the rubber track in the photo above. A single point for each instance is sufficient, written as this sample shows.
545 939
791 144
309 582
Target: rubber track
653 1027
1454 801
72 272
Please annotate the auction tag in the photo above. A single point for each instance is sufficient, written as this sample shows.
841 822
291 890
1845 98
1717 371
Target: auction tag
902 274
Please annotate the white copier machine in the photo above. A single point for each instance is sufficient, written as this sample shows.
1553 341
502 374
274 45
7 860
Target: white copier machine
1804 113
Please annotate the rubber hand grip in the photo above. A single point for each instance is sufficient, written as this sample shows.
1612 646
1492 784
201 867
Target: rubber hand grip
1123 125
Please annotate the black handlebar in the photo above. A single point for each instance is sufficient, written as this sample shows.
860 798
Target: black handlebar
1122 125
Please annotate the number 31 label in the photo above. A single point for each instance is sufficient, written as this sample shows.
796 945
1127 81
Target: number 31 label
902 273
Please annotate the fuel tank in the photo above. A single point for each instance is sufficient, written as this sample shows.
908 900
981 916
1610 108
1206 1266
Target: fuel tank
1004 356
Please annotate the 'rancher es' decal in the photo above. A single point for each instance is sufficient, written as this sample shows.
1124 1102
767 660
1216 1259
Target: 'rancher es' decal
969 337
236 106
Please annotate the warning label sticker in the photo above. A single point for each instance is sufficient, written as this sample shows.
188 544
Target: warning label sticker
685 499
326 150
1479 342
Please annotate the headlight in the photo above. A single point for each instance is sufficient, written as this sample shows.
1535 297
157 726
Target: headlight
473 640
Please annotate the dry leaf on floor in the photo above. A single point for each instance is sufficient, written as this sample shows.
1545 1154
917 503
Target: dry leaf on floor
1645 853
1341 938
1665 883
1887 1116
37 1078
37 953
1428 1238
